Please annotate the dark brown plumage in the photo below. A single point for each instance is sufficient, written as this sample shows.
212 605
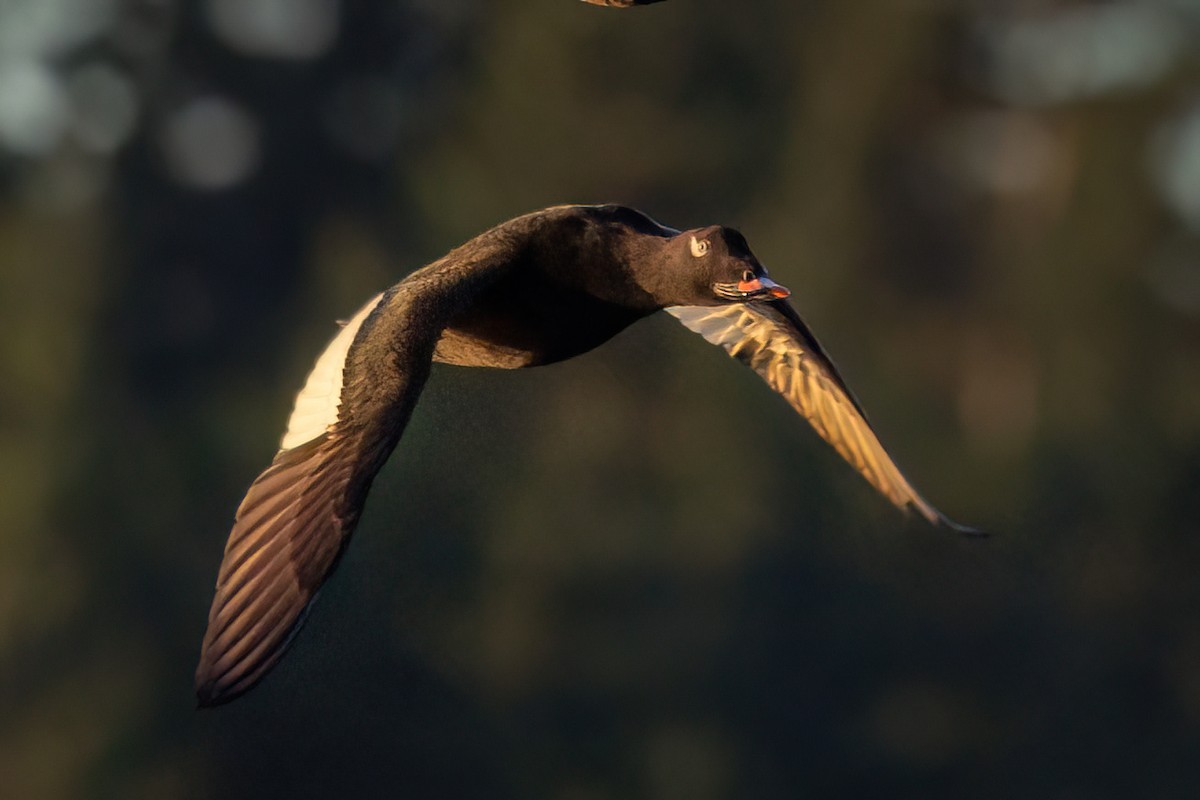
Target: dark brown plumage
537 289
622 3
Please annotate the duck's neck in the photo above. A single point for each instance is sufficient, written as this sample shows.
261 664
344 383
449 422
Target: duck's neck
578 251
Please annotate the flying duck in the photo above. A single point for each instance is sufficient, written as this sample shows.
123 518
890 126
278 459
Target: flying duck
539 288
621 3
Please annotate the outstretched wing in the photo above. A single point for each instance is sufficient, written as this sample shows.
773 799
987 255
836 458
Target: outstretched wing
297 516
621 3
772 340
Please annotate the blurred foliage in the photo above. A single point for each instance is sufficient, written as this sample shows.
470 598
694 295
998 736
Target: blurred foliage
635 574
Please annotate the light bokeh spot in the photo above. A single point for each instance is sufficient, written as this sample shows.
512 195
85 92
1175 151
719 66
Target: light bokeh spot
284 29
211 143
33 108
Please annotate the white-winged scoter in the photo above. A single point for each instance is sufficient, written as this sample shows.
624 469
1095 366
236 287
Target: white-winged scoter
539 288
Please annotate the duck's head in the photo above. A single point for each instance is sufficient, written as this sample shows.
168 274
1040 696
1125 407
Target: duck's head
722 268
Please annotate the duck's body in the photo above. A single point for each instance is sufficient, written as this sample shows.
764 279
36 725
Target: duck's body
537 289
562 286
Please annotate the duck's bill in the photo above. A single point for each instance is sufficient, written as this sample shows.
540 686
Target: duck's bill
746 291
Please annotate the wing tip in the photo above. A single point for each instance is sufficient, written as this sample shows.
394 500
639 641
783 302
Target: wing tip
938 520
215 688
210 694
945 523
220 680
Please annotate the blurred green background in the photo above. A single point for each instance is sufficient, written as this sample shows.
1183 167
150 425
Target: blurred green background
637 574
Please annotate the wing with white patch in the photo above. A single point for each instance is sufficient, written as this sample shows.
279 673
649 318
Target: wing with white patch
297 517
316 407
771 339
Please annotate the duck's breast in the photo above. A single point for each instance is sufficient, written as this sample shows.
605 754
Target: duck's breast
525 321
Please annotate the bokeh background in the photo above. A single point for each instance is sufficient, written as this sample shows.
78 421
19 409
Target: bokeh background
636 574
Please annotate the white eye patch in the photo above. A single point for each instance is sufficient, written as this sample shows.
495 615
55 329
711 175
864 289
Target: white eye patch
699 247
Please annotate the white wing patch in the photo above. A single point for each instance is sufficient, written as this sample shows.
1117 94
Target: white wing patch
316 408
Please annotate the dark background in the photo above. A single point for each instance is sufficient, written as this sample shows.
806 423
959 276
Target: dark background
637 574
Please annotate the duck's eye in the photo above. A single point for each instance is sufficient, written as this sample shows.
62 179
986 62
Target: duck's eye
748 275
699 247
